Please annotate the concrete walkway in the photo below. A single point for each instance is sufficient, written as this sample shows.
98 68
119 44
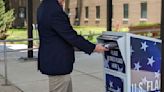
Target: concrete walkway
10 88
87 75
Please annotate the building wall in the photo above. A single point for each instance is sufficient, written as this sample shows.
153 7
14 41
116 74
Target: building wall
36 4
153 12
17 5
91 21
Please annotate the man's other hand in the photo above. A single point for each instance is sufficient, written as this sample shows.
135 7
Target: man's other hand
100 48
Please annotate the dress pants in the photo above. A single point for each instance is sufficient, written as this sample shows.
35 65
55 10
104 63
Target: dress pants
60 83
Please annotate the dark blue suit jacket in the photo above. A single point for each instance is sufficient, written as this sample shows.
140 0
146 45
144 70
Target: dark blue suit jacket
57 39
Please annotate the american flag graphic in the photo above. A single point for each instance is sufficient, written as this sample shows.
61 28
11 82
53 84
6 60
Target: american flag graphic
145 65
113 84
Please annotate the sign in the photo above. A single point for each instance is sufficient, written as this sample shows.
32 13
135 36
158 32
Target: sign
145 65
113 59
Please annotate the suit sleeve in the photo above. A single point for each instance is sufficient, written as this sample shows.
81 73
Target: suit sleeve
62 26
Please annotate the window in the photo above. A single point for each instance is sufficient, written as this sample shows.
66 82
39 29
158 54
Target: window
86 12
77 14
144 10
68 12
126 11
97 12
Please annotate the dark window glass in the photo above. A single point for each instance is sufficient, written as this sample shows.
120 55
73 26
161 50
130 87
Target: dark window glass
68 10
144 10
77 14
97 12
126 11
86 12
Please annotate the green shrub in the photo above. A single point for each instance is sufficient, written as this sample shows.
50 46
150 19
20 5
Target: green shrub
6 18
145 24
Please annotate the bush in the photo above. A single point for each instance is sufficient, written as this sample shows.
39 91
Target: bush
145 24
6 18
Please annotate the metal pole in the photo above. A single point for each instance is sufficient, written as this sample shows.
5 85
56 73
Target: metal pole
109 15
30 28
162 37
5 62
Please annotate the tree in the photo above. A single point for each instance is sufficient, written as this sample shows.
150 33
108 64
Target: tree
6 19
6 4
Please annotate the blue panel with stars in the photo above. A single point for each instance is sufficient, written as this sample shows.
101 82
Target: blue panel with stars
113 84
113 59
145 65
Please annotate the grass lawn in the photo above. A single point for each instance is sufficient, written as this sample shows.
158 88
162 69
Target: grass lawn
16 34
89 30
94 32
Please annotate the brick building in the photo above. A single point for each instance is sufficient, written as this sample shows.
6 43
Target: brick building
125 12
93 12
129 12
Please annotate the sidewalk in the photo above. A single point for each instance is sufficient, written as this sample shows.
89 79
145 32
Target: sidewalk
87 75
10 88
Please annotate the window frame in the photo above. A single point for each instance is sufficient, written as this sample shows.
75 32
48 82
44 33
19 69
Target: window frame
98 12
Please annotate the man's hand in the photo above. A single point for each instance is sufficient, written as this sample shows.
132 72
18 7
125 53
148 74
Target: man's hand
100 48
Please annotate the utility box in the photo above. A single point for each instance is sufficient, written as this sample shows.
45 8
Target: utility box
132 63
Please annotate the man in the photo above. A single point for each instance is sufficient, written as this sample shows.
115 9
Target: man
57 39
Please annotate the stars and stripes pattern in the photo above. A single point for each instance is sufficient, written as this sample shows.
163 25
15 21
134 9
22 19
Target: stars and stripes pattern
146 56
113 84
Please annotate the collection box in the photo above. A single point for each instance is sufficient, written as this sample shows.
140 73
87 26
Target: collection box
132 63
